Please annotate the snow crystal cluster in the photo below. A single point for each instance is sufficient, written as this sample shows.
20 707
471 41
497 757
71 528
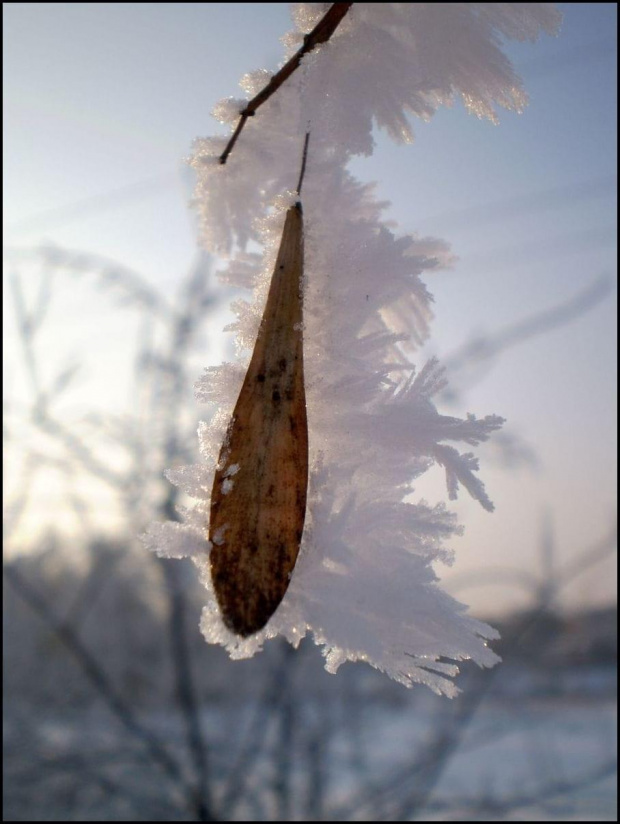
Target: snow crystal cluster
364 586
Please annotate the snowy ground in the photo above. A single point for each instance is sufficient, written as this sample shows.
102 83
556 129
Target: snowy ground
528 754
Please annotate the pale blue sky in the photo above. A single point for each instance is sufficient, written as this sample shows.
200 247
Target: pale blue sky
102 102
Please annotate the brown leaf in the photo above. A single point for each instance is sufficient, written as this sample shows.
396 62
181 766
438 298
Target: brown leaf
258 511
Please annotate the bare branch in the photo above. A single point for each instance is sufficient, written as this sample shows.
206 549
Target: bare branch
484 348
186 690
94 673
319 34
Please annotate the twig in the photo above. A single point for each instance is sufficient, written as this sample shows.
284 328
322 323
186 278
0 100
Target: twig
267 707
186 693
553 789
607 546
99 575
14 509
316 766
431 767
546 321
27 330
426 770
78 449
97 677
319 34
134 287
285 743
94 204
186 322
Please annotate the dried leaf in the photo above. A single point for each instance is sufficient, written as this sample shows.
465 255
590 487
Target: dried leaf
258 502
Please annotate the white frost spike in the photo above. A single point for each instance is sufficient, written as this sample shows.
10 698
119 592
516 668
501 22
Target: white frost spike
172 540
364 585
228 110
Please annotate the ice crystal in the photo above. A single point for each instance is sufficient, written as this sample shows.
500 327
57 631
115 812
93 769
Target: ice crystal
364 586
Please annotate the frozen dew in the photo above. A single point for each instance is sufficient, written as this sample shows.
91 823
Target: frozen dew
364 586
228 110
218 538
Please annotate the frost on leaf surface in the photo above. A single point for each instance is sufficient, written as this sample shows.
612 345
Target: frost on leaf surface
364 586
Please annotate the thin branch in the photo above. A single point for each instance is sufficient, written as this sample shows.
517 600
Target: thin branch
432 765
76 447
92 205
319 34
486 347
267 707
543 795
186 692
587 559
27 331
186 322
284 754
494 576
95 674
99 575
415 782
15 509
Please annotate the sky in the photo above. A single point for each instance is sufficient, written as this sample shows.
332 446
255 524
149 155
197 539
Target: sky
101 105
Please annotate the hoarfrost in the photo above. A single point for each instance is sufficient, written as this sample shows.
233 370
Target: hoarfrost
172 540
218 538
364 586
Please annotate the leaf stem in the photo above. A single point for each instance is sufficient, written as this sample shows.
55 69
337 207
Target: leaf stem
303 164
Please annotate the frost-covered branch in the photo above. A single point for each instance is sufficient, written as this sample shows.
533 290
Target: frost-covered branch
364 584
319 34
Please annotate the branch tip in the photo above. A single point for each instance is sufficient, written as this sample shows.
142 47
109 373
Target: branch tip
321 33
